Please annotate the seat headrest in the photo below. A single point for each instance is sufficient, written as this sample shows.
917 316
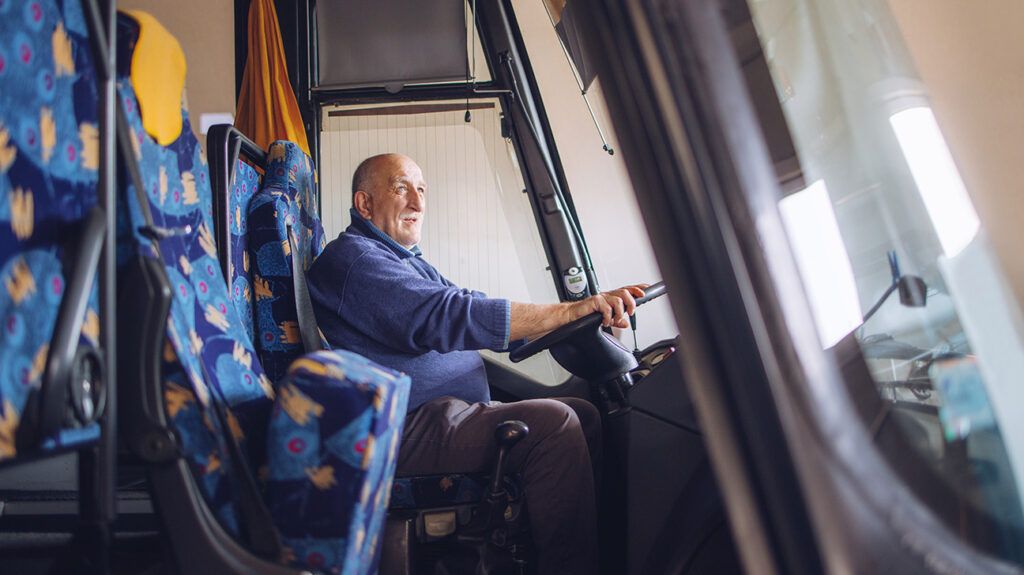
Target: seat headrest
290 170
287 163
158 77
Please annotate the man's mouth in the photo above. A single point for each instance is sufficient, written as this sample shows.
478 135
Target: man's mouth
410 220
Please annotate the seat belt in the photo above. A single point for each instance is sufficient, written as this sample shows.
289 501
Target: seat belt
303 304
258 530
257 524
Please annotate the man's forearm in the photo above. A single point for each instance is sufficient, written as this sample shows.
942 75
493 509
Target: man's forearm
531 320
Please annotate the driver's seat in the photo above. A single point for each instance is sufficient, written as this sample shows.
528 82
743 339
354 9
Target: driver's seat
262 237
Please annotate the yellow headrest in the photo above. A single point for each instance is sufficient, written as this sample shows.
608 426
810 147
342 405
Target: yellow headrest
158 76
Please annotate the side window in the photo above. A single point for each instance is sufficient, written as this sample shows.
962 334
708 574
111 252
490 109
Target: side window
895 263
479 229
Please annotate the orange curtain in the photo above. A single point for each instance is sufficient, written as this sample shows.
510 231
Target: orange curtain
267 109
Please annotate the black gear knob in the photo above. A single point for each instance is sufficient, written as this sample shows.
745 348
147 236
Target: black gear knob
507 434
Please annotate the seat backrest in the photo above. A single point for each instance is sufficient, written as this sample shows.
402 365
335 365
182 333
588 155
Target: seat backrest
335 433
331 439
286 201
49 160
208 355
245 185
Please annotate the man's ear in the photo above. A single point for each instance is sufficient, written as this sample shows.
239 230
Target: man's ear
363 203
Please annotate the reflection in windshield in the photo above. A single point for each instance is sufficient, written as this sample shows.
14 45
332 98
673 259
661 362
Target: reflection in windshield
893 257
823 262
937 178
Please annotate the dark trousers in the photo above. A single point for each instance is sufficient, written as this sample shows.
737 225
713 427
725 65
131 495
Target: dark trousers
448 435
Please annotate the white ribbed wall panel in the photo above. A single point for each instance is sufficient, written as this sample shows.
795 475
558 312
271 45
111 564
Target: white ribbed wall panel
479 229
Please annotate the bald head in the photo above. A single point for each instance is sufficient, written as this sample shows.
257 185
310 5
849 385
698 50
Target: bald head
372 170
389 191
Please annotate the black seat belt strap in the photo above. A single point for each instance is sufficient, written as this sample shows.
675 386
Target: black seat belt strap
257 524
303 304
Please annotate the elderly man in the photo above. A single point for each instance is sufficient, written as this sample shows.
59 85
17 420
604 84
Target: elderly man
374 294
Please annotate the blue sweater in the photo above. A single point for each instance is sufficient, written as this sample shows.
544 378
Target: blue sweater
376 298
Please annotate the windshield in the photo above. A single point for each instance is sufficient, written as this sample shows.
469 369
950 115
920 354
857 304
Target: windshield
896 264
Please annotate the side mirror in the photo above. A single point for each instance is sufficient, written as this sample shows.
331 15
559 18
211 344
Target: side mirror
913 290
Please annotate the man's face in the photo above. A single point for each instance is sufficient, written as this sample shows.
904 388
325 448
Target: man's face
397 202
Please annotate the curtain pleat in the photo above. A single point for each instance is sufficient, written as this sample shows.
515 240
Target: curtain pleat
267 108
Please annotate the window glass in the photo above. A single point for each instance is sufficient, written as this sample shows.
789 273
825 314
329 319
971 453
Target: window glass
894 260
479 230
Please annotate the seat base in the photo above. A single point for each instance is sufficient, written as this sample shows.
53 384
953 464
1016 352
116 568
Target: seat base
406 552
442 524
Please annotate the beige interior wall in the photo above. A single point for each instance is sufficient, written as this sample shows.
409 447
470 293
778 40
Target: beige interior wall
970 54
206 31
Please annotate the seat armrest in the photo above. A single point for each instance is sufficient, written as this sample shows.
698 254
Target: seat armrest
144 294
70 317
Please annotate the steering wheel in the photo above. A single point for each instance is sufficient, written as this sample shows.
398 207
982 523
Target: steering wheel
583 325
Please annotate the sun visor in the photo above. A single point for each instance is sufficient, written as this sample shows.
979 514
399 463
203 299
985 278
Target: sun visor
390 43
566 18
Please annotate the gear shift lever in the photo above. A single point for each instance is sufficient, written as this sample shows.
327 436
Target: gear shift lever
507 434
496 523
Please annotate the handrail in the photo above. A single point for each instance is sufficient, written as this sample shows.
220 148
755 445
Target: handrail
226 144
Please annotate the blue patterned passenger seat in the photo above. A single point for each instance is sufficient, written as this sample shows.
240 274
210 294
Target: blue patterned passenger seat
282 217
284 206
49 161
245 185
322 437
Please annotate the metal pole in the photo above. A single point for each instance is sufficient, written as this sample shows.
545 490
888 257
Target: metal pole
97 466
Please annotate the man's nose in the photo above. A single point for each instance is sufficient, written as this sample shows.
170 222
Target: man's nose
416 201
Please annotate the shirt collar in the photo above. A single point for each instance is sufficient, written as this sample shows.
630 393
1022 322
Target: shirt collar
368 229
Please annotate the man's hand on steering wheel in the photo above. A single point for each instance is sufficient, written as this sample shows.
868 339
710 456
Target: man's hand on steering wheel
615 306
558 322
